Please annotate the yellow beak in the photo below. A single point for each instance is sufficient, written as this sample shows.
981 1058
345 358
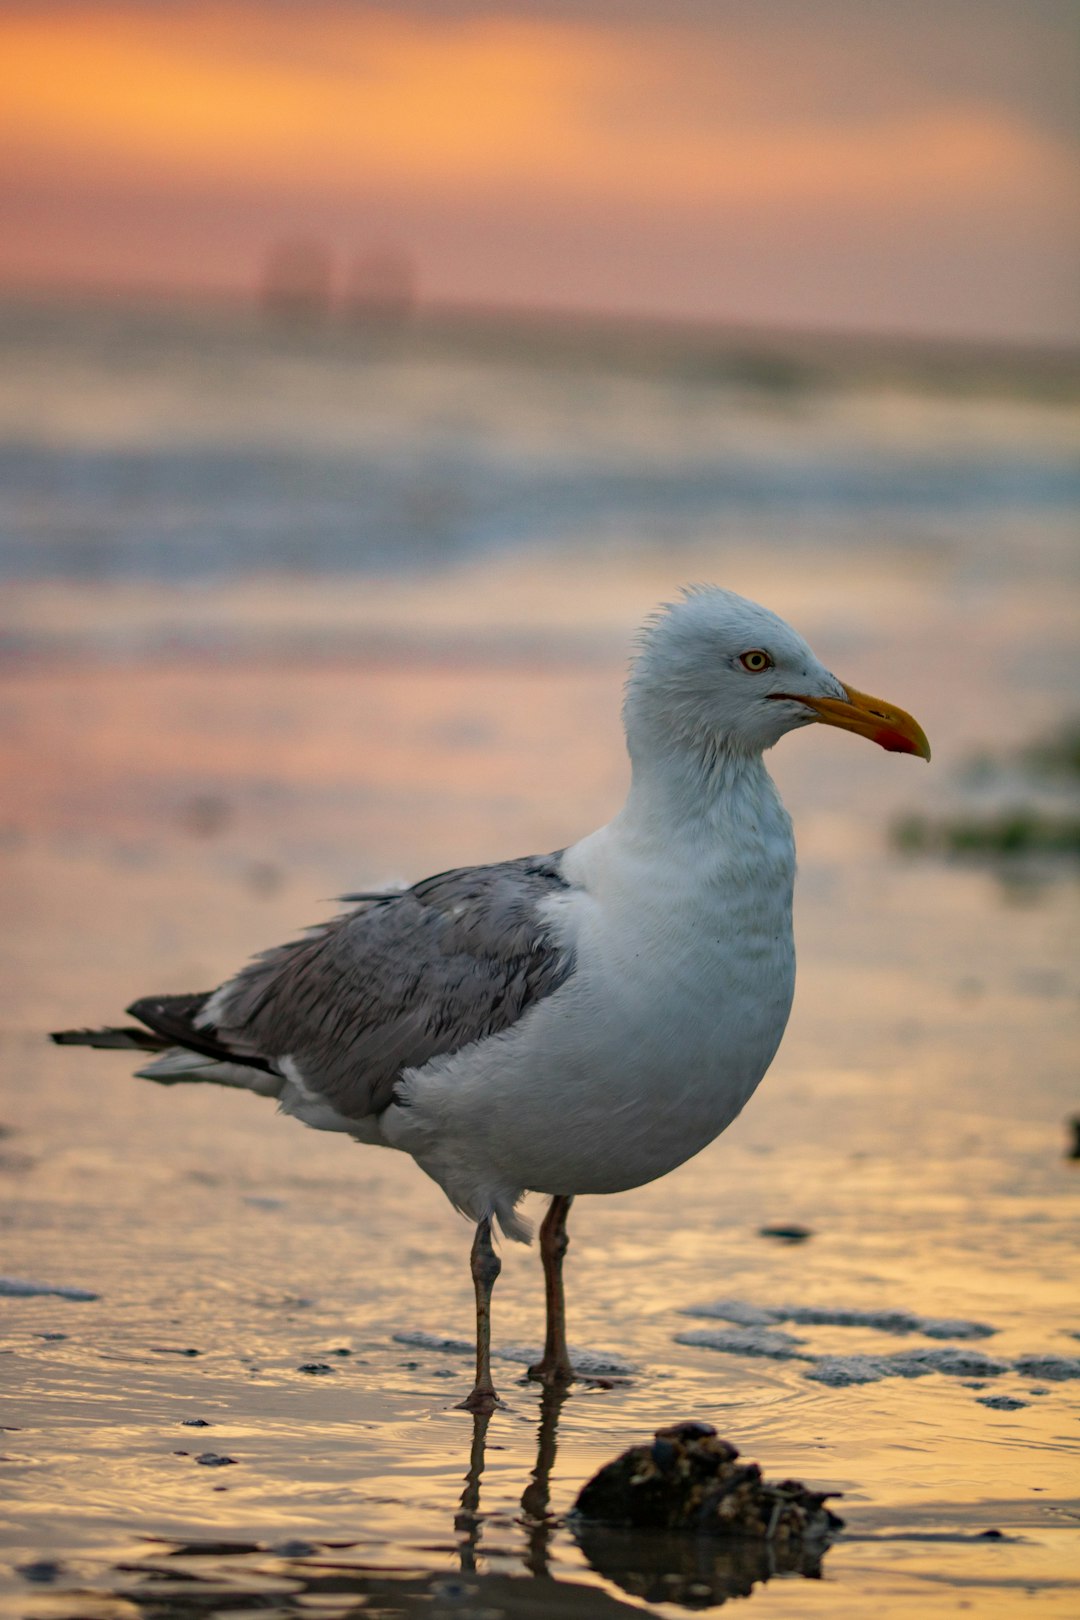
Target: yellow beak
884 724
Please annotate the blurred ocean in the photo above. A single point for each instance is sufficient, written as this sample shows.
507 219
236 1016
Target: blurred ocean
179 446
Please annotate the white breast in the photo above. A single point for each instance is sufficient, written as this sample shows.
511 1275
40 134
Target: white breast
682 989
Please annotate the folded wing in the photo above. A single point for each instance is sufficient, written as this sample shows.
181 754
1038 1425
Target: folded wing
385 987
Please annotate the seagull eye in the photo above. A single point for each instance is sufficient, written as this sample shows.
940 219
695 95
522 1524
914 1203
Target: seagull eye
755 661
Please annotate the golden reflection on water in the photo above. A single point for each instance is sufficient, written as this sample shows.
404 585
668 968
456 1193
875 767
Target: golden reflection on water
912 1122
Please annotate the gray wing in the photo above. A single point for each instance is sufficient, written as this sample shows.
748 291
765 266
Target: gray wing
401 979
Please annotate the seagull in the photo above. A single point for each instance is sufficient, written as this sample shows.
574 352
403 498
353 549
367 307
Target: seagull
579 1022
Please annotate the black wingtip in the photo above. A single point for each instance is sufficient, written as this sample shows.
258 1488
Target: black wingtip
125 1040
175 1020
75 1037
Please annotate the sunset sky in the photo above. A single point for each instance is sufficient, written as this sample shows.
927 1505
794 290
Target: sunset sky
850 163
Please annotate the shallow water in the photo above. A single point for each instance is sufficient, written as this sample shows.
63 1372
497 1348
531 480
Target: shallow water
190 776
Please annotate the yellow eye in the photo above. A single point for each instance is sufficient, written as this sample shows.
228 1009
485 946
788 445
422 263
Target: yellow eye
756 661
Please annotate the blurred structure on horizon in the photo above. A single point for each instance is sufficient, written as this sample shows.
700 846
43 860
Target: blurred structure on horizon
300 285
381 288
296 281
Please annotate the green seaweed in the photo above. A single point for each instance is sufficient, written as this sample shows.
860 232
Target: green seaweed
1057 754
1024 830
1003 833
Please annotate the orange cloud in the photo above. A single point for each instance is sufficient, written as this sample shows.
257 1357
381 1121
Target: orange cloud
382 99
348 101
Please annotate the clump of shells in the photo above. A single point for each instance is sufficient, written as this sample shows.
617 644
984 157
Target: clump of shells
687 1478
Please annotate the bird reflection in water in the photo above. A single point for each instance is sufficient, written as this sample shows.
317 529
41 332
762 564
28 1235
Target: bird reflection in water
536 1519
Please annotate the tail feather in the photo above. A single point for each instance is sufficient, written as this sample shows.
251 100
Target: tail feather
183 1050
179 1066
171 1064
129 1039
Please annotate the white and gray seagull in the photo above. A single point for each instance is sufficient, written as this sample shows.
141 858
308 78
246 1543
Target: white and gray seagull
581 1022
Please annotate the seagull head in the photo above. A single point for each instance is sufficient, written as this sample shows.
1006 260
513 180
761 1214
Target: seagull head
716 671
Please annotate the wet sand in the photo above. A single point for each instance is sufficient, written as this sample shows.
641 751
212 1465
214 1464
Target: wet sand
255 1277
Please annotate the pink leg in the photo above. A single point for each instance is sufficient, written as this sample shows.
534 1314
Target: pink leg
555 1366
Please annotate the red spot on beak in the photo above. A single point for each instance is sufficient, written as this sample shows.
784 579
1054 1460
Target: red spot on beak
894 742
